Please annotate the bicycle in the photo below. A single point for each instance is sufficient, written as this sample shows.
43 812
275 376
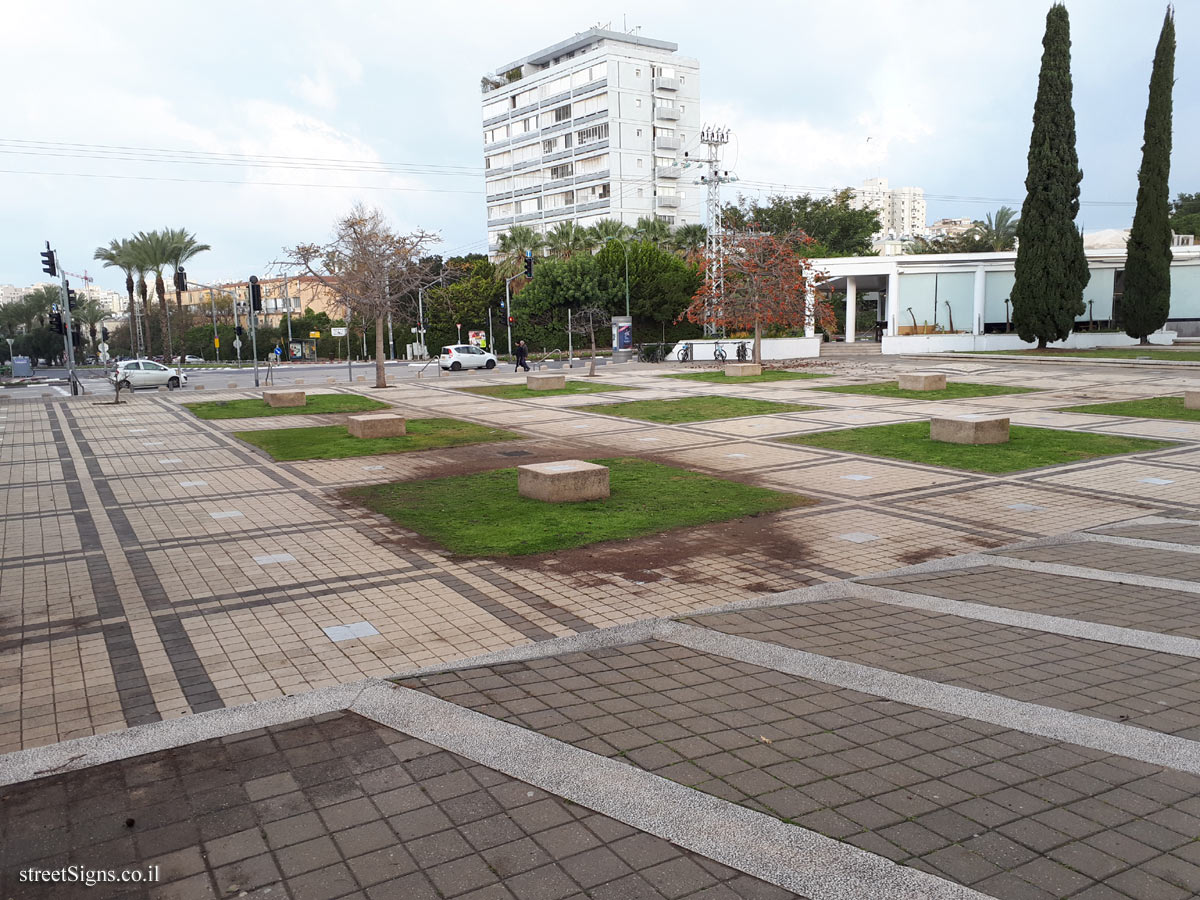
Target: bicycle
685 353
718 354
742 353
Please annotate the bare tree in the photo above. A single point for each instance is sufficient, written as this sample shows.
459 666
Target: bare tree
369 267
586 321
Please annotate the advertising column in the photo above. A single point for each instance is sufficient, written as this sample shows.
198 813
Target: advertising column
622 338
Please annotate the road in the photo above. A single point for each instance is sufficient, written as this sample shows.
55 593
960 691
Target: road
95 381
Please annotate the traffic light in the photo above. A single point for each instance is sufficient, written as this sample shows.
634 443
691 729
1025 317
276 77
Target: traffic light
512 320
528 264
103 334
180 279
56 323
502 304
48 265
71 299
238 331
255 294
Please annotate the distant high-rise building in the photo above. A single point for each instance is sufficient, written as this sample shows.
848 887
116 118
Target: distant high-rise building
597 126
901 210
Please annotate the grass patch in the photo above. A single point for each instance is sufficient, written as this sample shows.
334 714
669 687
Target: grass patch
646 498
1028 448
956 390
1102 353
520 392
335 442
695 409
767 375
1151 408
253 407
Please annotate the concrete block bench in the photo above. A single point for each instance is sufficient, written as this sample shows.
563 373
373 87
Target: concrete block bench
231 385
197 387
379 425
1191 399
742 370
279 398
970 430
922 381
548 381
567 481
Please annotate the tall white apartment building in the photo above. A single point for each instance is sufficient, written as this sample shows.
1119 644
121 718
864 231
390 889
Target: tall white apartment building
901 210
594 127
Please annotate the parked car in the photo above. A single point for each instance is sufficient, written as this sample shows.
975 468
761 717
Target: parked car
466 356
194 360
138 373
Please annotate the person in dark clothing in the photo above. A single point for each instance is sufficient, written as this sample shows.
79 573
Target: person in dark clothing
522 356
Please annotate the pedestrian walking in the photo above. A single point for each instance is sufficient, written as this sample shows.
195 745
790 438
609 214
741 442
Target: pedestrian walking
522 357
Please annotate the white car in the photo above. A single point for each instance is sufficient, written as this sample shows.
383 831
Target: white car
194 360
466 356
139 373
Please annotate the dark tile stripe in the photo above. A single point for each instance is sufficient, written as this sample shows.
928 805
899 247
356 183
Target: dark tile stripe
129 675
198 688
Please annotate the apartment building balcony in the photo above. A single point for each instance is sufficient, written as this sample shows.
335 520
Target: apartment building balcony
666 84
666 112
667 143
668 171
667 201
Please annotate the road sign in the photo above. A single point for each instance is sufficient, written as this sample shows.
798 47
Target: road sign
337 331
237 343
102 347
314 334
217 343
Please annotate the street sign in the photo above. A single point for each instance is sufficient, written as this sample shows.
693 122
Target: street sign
237 343
102 346
314 334
337 331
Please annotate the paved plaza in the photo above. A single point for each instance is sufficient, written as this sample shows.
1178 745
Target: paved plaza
927 683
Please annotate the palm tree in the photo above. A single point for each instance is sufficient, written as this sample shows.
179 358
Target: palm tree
185 247
119 254
999 233
653 231
153 254
89 312
608 228
513 245
38 303
567 238
690 240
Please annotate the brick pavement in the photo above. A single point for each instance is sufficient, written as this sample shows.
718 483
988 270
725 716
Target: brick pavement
172 571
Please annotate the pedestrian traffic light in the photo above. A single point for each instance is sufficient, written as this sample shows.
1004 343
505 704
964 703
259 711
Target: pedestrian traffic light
528 264
255 294
56 323
238 331
512 320
502 304
180 279
48 265
71 299
104 334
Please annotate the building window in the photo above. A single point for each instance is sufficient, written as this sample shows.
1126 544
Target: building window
562 113
603 191
637 73
639 192
638 102
639 132
563 171
639 162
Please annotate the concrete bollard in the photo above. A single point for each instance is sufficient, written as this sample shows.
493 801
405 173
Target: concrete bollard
568 481
922 381
549 381
970 430
232 385
197 387
380 425
1191 399
297 381
281 398
742 370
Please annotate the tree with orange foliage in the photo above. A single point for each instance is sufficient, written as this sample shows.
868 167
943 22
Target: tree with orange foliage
767 283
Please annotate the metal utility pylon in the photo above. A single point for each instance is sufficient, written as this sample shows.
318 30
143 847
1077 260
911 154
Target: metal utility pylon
713 137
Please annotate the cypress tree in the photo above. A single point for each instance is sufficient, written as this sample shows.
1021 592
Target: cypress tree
1147 300
1051 269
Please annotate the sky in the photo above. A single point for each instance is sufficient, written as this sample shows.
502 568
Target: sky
109 125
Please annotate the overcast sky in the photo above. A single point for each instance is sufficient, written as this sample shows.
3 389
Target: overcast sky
944 90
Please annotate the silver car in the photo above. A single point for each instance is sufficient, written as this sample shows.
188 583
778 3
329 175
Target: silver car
145 373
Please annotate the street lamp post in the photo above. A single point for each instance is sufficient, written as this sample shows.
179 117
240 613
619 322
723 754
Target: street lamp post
619 354
626 250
